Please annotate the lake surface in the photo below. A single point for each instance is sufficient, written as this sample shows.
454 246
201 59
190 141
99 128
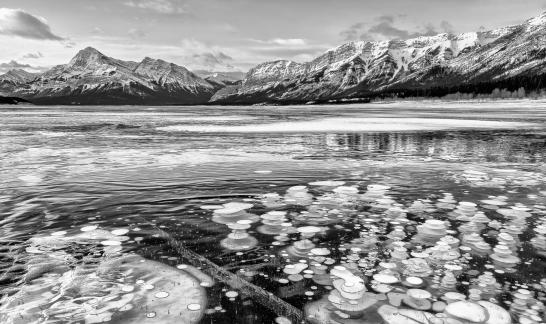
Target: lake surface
279 196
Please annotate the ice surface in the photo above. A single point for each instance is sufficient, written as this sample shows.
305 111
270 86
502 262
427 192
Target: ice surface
351 125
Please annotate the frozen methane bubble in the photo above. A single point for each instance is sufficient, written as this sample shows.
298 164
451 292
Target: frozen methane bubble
476 243
239 239
110 243
298 195
503 257
349 295
385 278
452 296
233 212
120 231
497 314
303 247
346 193
282 320
448 282
420 207
487 284
161 294
320 251
375 191
417 267
521 300
399 253
418 299
446 202
480 219
194 307
514 213
413 281
441 253
272 200
327 183
465 211
320 275
470 227
467 311
295 268
394 315
431 231
275 223
539 241
89 228
507 239
493 202
451 241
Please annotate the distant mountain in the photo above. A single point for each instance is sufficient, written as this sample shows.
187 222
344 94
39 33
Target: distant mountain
15 78
510 57
94 78
222 78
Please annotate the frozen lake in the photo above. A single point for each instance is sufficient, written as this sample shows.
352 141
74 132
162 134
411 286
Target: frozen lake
99 204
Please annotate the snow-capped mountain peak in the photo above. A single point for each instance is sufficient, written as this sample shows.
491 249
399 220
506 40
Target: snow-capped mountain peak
86 57
538 20
367 68
18 76
93 77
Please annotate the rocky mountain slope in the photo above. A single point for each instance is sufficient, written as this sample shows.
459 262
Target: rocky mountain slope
94 78
15 78
477 61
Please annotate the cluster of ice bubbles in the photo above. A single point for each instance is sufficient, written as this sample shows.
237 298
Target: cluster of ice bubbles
359 256
491 177
83 276
355 253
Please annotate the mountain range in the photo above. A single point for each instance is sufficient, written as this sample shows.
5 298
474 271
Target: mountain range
94 78
475 62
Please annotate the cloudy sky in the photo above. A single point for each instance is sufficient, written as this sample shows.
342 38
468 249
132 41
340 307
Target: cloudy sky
230 34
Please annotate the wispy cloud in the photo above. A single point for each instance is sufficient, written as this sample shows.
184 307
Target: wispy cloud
97 31
212 61
136 33
288 41
281 41
297 49
16 22
387 27
5 67
159 6
35 55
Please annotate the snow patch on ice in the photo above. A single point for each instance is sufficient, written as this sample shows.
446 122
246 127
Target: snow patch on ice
349 125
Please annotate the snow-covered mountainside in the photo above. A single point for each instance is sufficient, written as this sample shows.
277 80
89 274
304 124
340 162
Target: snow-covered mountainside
94 78
15 78
511 57
221 78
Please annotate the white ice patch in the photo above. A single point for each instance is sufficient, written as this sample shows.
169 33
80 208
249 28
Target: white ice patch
350 125
213 118
31 179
